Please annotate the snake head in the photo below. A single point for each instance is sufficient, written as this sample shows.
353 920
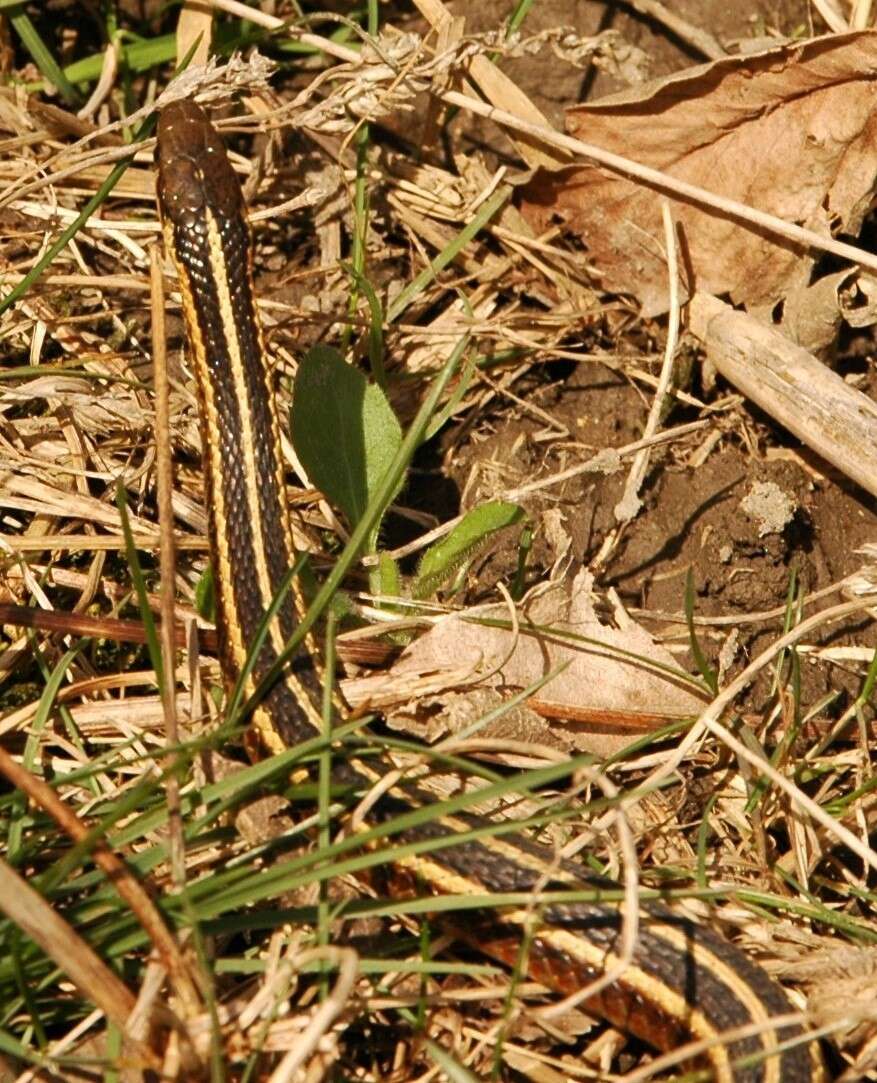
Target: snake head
194 172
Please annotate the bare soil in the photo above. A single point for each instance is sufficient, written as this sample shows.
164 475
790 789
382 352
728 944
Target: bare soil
694 520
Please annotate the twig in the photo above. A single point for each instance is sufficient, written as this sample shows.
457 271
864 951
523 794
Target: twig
701 40
692 193
167 558
836 420
630 503
74 542
576 148
122 631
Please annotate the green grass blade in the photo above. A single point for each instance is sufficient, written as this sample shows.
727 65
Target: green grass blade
451 1068
375 327
41 54
450 252
700 659
254 648
152 641
47 701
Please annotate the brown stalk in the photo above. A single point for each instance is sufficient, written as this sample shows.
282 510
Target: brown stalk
122 631
167 557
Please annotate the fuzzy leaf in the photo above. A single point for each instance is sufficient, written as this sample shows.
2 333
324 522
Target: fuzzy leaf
343 429
441 560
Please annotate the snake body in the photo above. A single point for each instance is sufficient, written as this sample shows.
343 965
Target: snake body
684 982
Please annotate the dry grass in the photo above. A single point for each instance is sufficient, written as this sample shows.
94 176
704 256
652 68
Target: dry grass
77 420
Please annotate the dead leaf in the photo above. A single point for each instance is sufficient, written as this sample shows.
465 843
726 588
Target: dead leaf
858 301
432 717
264 819
790 131
613 681
812 314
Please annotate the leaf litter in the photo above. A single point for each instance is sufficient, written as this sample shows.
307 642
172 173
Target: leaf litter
791 131
606 682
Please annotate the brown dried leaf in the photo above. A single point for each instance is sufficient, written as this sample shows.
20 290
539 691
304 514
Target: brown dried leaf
613 685
858 301
812 314
790 131
194 30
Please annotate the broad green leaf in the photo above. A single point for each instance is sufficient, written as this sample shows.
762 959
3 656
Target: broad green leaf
343 429
366 528
441 560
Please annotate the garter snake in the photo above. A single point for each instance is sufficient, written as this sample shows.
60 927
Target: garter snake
685 982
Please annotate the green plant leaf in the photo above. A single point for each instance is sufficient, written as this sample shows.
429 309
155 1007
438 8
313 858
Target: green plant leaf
450 252
344 431
375 327
41 54
441 560
700 660
205 595
367 526
387 581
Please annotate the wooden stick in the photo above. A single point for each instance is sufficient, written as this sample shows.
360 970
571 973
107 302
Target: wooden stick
123 631
835 420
